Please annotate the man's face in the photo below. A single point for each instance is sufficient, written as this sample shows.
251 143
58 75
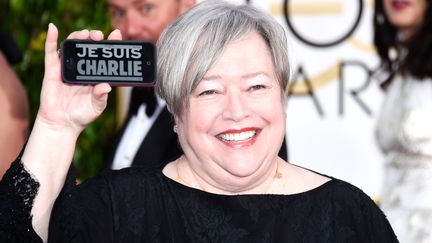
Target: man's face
144 19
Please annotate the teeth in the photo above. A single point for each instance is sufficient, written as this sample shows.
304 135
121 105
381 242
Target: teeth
235 137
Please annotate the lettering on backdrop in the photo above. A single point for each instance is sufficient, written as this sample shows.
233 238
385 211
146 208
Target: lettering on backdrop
300 73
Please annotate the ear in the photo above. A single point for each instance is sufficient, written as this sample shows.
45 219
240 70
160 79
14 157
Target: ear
186 5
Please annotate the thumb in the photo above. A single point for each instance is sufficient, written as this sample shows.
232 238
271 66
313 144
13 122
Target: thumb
52 62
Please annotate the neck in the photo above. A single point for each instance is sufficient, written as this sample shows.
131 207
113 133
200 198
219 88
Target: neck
405 35
243 185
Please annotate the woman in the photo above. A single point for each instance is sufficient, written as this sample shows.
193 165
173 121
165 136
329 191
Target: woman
223 71
403 39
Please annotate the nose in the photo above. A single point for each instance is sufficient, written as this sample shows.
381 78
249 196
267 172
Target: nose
236 107
132 25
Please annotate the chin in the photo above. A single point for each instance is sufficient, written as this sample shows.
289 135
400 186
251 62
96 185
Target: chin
243 166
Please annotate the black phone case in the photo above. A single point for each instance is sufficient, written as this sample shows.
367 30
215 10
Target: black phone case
119 63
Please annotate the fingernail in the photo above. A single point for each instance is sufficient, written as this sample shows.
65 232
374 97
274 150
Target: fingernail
52 26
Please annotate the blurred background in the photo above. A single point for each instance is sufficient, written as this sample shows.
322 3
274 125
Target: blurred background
26 21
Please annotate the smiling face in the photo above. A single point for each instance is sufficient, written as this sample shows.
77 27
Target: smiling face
235 121
406 15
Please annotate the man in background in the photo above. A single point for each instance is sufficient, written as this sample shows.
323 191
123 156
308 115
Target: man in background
146 137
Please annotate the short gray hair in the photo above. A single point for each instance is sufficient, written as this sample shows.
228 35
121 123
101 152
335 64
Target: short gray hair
191 45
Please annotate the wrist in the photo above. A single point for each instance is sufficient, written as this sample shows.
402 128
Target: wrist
66 130
50 147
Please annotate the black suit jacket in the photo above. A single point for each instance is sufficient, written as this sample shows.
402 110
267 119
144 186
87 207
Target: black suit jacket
159 146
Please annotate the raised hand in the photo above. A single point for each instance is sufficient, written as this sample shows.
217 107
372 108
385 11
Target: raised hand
65 110
66 106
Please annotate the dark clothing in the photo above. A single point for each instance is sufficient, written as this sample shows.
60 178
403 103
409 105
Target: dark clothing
10 49
159 147
138 205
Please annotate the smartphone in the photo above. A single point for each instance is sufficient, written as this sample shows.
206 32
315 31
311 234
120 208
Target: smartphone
119 63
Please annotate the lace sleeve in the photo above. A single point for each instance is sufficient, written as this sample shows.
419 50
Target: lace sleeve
18 190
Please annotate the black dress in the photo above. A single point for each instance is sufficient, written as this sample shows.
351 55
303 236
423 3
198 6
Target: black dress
136 205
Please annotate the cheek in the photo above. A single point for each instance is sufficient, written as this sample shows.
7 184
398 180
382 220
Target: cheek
157 29
163 20
421 11
201 116
120 26
276 117
271 108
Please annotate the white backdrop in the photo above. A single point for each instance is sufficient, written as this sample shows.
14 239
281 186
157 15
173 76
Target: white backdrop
335 135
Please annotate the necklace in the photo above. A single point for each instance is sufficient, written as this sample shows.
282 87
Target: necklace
277 174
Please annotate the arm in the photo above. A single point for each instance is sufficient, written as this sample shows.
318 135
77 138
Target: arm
14 108
64 111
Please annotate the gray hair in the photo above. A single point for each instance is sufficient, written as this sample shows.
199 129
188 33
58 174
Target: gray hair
191 45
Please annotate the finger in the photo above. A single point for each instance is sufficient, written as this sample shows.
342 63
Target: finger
52 63
101 88
96 35
81 34
100 96
115 35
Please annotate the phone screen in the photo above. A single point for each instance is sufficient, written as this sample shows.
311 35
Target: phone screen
120 63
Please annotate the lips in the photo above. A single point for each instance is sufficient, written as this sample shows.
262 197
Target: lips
400 5
237 136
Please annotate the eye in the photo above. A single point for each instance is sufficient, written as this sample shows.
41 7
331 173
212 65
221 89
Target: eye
257 87
117 14
146 9
208 92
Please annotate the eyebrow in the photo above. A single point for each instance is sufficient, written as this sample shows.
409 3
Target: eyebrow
134 3
245 76
113 5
